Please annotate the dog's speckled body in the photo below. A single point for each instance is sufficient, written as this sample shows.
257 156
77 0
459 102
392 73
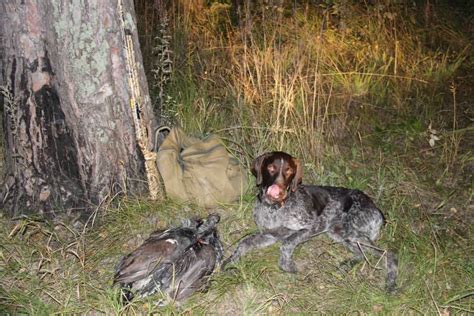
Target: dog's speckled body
287 211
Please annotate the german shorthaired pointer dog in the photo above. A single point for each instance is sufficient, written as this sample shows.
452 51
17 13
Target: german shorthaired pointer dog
287 211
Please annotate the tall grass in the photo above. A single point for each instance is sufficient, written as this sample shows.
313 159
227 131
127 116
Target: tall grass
355 91
302 77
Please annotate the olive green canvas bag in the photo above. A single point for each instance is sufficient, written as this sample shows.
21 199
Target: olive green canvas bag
199 171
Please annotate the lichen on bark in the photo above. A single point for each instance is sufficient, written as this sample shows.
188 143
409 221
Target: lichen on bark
71 142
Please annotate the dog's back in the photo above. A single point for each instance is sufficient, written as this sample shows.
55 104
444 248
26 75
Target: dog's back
357 214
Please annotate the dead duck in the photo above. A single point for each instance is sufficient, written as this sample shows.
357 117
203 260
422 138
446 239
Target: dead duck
175 261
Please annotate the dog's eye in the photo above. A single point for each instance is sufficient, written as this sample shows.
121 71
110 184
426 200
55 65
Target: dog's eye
288 172
272 169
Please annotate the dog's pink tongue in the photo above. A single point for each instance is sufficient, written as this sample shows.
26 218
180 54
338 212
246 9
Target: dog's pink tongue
273 191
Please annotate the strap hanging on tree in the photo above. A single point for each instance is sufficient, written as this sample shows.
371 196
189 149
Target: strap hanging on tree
135 104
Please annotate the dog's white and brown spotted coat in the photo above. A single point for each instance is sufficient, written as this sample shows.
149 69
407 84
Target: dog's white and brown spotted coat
290 212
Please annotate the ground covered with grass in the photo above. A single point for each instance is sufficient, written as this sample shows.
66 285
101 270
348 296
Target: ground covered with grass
51 267
374 96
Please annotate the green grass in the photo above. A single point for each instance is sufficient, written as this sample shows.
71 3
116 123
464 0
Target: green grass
53 268
356 96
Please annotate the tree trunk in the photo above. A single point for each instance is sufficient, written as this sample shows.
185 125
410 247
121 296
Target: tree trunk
68 104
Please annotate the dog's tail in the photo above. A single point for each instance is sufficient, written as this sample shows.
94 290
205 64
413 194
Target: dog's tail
392 272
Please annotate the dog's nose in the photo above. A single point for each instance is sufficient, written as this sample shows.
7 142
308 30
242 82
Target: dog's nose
274 191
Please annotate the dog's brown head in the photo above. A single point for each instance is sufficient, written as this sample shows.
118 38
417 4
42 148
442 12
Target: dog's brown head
278 174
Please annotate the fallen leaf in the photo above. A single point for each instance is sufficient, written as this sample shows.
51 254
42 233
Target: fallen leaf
377 308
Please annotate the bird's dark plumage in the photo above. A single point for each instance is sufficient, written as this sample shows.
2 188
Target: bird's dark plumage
175 261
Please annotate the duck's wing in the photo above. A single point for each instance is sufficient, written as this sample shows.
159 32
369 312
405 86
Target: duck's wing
198 264
161 248
144 260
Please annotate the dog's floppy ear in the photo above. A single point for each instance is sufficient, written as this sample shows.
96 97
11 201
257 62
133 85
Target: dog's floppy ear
257 167
298 176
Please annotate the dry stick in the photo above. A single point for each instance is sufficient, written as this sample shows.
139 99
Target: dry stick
276 294
435 259
71 251
373 74
461 296
173 283
74 233
78 292
365 257
326 108
380 259
50 295
454 141
469 311
433 299
92 217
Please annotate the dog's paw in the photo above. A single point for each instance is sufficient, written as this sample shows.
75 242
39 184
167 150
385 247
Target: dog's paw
288 266
225 263
229 263
391 289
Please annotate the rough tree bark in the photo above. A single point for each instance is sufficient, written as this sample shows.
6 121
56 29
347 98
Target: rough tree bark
67 117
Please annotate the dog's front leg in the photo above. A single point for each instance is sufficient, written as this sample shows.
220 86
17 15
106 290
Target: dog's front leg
289 244
287 248
258 240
